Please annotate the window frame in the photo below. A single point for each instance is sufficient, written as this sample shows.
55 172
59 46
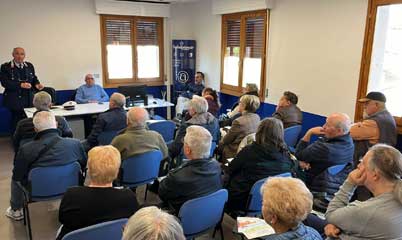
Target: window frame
237 90
366 57
159 81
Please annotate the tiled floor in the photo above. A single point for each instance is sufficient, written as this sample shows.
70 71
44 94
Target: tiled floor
44 214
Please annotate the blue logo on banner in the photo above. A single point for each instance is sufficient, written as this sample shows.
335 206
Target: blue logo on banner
183 64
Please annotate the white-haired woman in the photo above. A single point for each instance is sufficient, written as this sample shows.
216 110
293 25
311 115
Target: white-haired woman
98 202
286 203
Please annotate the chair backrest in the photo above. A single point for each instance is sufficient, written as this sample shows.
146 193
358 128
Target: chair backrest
165 128
246 141
53 181
292 135
255 197
105 138
140 169
52 92
200 214
213 147
336 169
112 230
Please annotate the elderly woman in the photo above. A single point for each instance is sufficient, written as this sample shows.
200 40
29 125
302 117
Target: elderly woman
198 110
152 223
380 217
286 203
241 127
99 201
267 156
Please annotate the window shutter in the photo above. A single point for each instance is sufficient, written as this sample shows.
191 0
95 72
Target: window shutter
118 32
255 37
233 33
147 33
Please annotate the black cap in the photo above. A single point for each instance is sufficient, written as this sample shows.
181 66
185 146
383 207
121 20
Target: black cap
376 96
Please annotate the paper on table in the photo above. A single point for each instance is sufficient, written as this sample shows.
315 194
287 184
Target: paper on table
253 227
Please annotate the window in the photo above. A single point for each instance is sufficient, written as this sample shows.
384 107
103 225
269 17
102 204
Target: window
132 50
382 55
243 51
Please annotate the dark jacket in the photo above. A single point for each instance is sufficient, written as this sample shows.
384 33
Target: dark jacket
15 97
26 131
252 163
194 178
325 153
290 116
206 120
114 119
67 150
192 89
301 232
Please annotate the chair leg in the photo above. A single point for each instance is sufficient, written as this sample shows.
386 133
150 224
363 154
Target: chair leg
29 223
221 230
146 191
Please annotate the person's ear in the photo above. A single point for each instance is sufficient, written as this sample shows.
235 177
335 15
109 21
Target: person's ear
36 130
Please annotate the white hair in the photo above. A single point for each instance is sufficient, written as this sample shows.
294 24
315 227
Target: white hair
199 140
152 223
199 104
44 120
42 101
118 99
137 117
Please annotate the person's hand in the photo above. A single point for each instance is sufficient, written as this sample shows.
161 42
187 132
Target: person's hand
357 176
304 165
332 231
26 85
39 86
316 131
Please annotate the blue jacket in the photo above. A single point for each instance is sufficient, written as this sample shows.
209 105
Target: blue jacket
114 119
65 151
192 89
301 232
325 153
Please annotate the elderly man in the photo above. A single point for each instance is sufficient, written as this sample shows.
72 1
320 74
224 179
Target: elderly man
189 91
114 119
380 217
336 147
25 131
199 176
91 92
20 82
198 110
136 139
47 149
287 110
378 125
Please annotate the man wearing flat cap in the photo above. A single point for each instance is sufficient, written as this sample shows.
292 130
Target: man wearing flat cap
378 125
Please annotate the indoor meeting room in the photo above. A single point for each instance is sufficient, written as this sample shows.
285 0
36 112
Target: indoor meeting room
200 119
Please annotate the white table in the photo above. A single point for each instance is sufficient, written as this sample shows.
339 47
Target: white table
74 116
94 108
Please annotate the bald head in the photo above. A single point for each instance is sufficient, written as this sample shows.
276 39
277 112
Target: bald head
89 80
137 117
18 54
117 100
337 124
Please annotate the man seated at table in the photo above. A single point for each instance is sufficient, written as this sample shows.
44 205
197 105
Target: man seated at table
25 131
197 177
136 139
114 119
91 92
47 149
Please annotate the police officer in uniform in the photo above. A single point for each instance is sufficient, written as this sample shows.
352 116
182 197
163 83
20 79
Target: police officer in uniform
20 84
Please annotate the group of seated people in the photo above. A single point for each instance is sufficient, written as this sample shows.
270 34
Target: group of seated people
287 202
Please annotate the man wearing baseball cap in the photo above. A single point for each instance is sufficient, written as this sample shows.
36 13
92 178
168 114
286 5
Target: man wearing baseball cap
378 125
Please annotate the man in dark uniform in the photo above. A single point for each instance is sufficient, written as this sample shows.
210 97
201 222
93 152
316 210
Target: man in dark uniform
20 83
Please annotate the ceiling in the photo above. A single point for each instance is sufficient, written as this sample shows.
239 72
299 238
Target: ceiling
162 1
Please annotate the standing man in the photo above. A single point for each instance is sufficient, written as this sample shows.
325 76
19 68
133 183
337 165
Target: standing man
20 83
91 92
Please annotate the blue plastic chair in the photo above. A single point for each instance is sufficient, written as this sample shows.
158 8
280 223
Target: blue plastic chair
48 183
201 214
165 128
336 169
111 230
291 136
140 169
254 202
213 146
105 138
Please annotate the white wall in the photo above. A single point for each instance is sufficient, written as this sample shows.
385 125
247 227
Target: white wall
61 38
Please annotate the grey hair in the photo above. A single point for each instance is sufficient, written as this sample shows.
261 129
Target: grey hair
381 105
199 140
42 101
118 99
44 120
252 87
135 119
387 161
251 103
199 104
151 223
344 124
